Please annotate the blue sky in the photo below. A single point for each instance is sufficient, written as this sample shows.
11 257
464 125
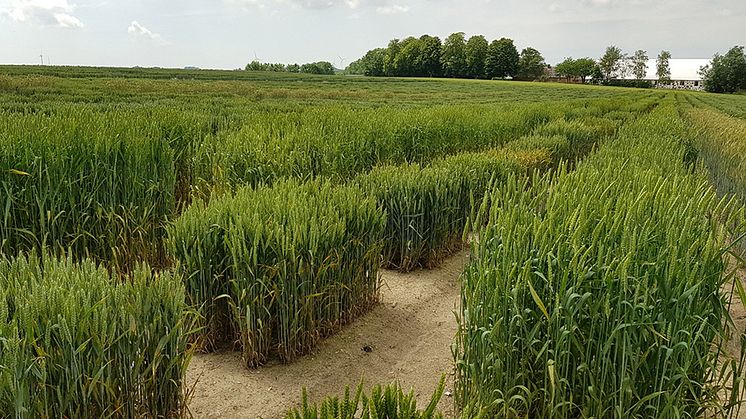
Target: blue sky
229 33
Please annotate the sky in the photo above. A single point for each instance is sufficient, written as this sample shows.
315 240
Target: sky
230 33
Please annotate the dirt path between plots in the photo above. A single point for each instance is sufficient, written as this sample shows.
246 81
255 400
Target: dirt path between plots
410 334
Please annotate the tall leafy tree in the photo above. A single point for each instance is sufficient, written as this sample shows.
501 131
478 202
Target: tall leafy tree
585 67
566 68
476 53
597 74
356 67
663 66
407 61
293 68
726 73
430 55
531 65
640 64
612 62
453 55
373 62
320 67
502 59
389 60
256 66
581 68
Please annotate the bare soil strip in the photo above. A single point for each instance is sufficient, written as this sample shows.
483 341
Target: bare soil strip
409 336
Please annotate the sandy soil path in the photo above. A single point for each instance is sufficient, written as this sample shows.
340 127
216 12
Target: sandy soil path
410 334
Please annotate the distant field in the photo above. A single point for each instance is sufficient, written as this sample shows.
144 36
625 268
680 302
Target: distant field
146 214
190 87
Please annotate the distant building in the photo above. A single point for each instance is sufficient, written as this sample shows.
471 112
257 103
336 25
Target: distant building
549 72
684 74
189 67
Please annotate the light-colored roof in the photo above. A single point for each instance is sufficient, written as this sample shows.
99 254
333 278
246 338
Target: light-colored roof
681 69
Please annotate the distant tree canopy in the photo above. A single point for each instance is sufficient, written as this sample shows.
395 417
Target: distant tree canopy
502 59
476 55
531 65
612 63
455 57
726 73
640 64
321 67
581 68
259 66
663 67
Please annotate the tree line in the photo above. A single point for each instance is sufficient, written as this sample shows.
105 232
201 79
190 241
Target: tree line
320 67
615 65
476 58
455 57
725 73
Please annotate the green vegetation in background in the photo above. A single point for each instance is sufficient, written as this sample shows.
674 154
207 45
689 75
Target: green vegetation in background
97 186
726 73
427 208
600 292
102 180
78 342
339 143
279 267
262 270
34 86
321 67
454 57
720 141
733 105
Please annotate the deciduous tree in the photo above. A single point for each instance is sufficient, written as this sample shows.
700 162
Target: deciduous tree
476 53
663 66
531 65
389 60
430 58
611 62
502 59
453 55
726 73
581 68
640 64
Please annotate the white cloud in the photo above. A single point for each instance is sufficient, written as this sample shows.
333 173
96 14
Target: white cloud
137 30
393 9
352 4
44 12
319 4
